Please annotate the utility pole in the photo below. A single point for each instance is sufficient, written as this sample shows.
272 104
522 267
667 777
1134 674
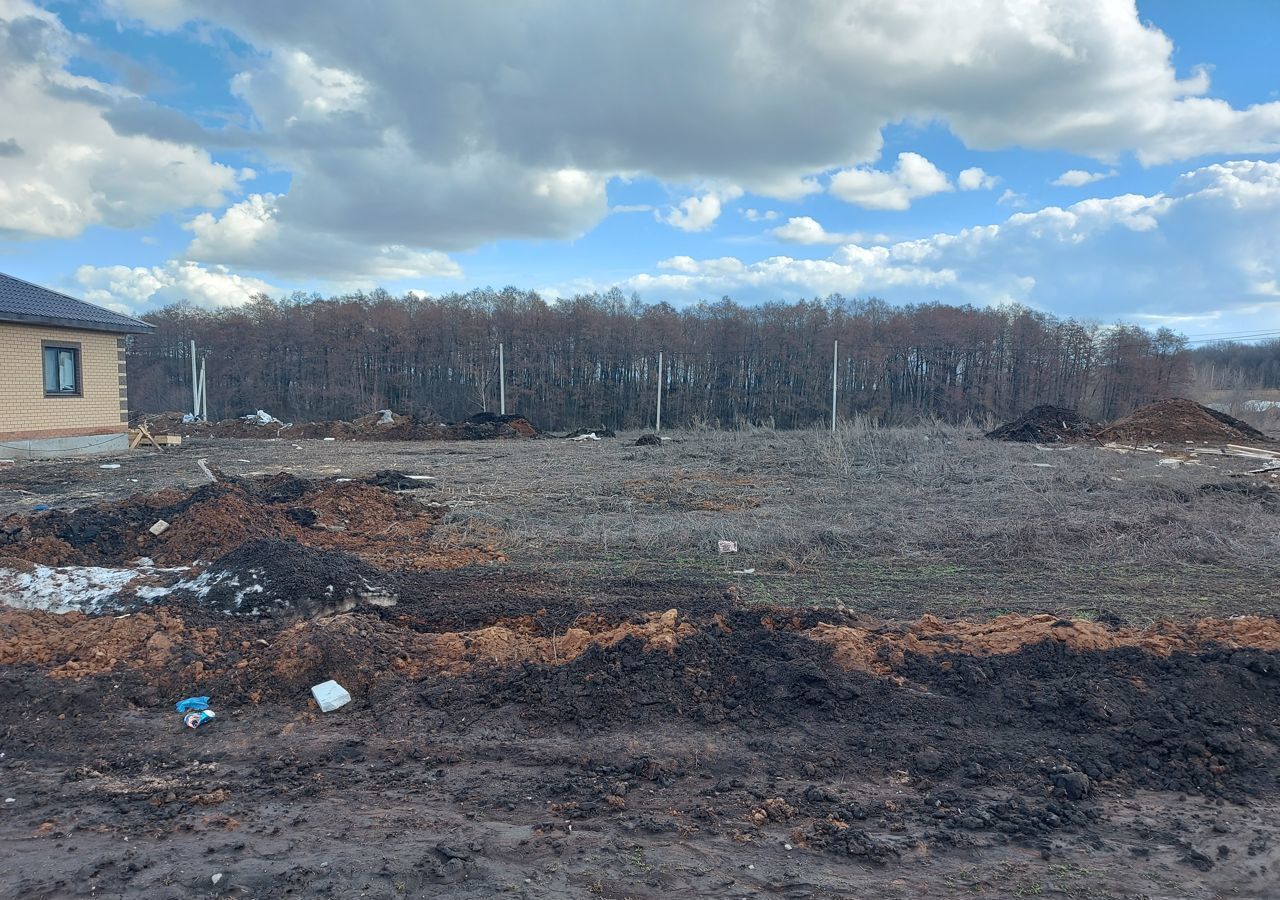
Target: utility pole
204 392
502 383
659 422
195 384
835 375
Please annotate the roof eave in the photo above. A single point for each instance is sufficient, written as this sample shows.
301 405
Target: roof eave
133 326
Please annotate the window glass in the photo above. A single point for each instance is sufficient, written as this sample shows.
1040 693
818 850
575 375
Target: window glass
60 366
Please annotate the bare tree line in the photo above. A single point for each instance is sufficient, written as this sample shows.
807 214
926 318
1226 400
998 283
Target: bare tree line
592 359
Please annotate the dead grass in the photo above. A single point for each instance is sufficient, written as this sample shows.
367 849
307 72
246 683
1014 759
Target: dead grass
932 493
905 519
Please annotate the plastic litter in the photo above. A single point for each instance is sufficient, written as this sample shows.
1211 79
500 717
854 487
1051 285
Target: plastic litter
330 695
196 719
188 418
40 507
109 466
159 528
589 436
385 417
727 546
192 704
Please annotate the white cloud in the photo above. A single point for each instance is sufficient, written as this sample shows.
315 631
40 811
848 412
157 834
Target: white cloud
249 234
976 179
1079 177
806 230
700 213
1215 234
133 290
398 127
913 177
759 215
64 168
1012 198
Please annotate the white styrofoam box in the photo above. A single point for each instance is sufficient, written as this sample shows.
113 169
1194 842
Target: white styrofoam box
330 695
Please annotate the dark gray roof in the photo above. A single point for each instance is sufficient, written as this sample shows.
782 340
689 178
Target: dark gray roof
30 304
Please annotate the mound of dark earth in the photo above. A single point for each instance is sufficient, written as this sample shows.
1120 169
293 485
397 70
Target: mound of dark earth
1043 424
284 578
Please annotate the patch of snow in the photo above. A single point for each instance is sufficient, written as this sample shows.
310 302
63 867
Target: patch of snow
62 589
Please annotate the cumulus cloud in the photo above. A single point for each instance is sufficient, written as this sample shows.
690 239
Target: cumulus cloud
64 168
700 213
398 126
1079 177
249 234
1011 198
806 230
975 179
134 290
759 215
1214 234
913 177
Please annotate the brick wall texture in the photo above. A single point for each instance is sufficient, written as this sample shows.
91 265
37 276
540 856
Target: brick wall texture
25 411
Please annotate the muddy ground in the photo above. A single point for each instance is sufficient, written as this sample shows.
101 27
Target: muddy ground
589 708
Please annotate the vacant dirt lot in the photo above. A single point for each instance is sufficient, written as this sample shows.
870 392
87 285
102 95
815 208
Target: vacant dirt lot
936 666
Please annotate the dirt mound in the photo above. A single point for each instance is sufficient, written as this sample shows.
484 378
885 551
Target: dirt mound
648 440
377 525
883 652
273 578
1043 424
383 425
394 480
485 426
1178 421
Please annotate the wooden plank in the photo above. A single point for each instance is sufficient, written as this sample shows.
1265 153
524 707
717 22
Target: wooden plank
1272 453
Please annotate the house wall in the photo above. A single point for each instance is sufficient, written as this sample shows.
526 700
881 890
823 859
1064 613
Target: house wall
27 415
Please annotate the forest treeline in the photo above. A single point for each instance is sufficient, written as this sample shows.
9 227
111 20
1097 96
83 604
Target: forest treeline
1238 367
593 360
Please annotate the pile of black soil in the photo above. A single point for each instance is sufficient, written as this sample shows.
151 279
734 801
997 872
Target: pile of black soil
1203 723
1043 424
485 426
394 480
274 578
648 440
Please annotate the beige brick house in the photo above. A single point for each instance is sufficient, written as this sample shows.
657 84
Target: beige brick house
62 375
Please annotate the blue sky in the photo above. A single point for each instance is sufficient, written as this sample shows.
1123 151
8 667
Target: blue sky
1085 157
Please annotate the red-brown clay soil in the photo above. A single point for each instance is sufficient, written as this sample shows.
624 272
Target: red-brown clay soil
1178 421
881 651
372 523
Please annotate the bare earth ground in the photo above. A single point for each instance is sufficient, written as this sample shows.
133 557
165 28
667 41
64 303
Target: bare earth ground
728 751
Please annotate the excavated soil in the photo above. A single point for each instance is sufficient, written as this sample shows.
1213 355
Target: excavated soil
1177 421
711 751
1043 424
373 523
